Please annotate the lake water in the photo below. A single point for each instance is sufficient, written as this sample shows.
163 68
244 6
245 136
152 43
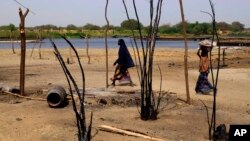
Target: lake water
100 43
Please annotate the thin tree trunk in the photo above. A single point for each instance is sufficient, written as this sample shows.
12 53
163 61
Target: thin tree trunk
12 43
40 44
70 56
87 49
34 46
23 49
39 50
186 53
223 57
106 42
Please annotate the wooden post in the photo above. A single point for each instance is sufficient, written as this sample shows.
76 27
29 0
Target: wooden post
106 42
23 49
186 53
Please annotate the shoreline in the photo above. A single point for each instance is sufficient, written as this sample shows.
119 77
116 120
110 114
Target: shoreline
17 41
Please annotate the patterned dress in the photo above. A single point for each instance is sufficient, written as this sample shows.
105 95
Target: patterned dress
203 85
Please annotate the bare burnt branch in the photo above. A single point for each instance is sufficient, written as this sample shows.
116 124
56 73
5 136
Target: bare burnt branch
71 94
83 132
90 127
79 62
133 34
151 56
135 59
59 57
213 120
80 122
81 96
212 124
153 38
139 27
143 68
208 122
211 70
160 92
87 48
150 25
148 101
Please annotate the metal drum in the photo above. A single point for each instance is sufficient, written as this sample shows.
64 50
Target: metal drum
56 97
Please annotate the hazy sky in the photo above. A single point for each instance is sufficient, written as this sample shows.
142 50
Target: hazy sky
80 12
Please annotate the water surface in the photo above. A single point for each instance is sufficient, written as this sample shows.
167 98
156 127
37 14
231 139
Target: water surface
99 43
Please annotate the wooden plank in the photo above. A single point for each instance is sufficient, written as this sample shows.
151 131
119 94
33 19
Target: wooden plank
125 132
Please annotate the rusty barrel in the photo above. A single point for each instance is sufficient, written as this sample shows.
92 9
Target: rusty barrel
56 97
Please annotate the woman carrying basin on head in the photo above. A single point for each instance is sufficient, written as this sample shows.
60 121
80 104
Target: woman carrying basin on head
203 85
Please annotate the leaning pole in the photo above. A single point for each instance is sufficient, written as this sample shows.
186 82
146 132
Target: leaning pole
186 53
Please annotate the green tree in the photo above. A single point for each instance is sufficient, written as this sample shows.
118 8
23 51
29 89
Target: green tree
110 27
71 27
198 28
178 27
163 28
12 27
89 26
205 28
47 27
223 26
237 26
130 24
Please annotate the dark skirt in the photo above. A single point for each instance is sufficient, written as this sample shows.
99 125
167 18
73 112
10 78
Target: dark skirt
203 85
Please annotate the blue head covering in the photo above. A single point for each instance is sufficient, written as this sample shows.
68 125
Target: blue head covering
124 58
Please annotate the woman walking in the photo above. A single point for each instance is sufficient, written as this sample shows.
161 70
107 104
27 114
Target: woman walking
203 85
123 62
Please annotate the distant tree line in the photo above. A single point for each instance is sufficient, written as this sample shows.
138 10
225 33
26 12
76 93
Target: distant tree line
196 28
201 28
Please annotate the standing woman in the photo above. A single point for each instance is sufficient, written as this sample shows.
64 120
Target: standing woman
123 62
203 85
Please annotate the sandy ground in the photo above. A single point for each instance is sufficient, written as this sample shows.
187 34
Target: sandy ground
32 120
